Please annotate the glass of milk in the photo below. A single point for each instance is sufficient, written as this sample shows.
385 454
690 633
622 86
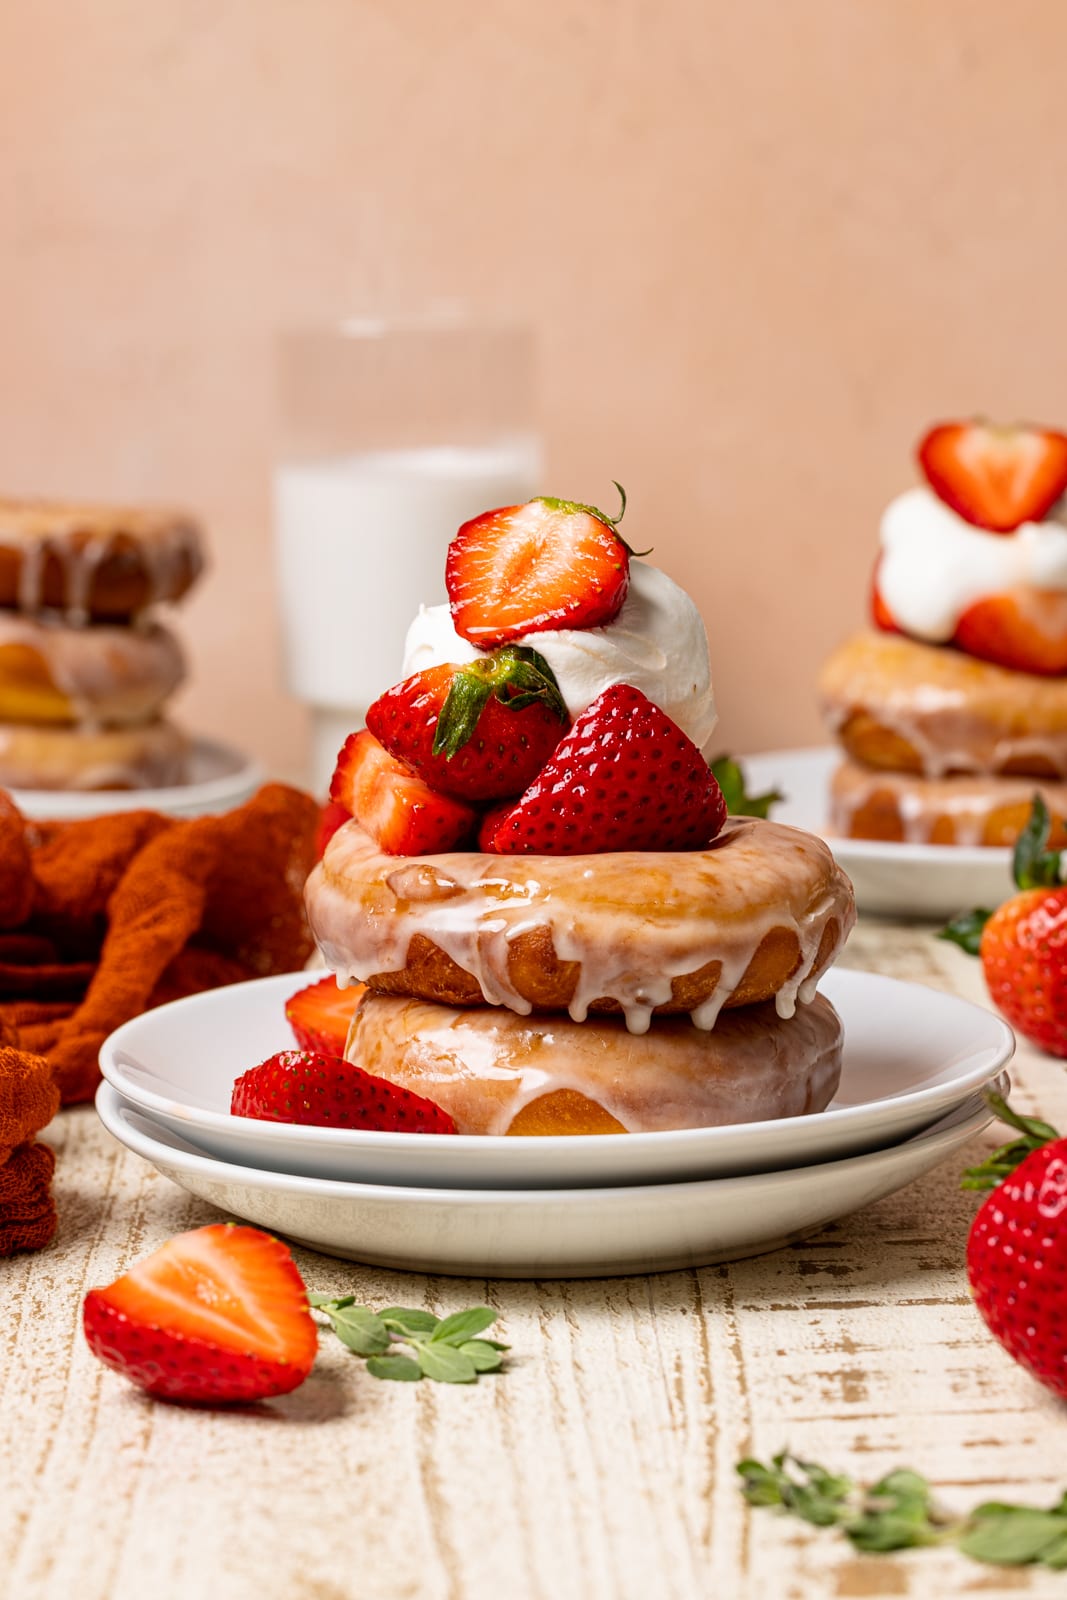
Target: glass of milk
395 431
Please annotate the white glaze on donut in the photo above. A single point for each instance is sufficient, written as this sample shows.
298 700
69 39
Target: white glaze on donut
110 675
633 920
484 1067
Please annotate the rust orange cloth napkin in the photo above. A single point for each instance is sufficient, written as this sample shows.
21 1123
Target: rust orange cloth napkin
103 918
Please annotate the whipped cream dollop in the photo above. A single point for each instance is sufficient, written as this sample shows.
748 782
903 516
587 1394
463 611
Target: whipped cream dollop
657 643
935 565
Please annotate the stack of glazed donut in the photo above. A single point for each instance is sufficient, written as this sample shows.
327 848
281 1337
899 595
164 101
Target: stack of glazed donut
954 712
624 992
85 667
559 929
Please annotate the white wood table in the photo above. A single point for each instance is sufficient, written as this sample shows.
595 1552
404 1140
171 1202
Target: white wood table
600 1464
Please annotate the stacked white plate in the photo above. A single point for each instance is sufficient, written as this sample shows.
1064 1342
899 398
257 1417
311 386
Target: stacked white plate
916 1063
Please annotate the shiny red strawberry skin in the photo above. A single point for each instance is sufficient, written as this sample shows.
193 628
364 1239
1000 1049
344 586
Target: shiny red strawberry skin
301 1086
1017 1264
523 569
400 812
506 751
1024 959
624 778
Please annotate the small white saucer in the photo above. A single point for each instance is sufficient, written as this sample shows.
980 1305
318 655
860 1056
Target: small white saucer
220 778
545 1233
906 880
911 1054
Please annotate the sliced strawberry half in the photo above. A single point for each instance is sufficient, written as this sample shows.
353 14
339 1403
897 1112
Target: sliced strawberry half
547 564
997 478
399 811
331 817
624 778
476 732
321 1015
216 1315
326 1092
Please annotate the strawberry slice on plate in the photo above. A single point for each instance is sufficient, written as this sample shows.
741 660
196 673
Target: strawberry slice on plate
399 811
325 1092
321 1015
624 778
216 1315
523 569
477 732
996 478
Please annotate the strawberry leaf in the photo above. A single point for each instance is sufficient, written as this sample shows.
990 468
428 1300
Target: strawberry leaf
966 930
730 777
515 674
1034 866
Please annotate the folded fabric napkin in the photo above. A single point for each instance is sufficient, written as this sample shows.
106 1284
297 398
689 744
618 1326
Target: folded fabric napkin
103 918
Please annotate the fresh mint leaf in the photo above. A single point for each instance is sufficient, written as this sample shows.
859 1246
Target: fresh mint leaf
325 1302
359 1329
445 1363
405 1320
1012 1536
486 1357
463 1325
401 1369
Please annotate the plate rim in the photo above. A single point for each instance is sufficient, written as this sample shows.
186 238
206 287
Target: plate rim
64 804
339 1140
972 1114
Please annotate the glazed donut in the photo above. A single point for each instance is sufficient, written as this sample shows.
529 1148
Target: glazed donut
106 563
496 1072
150 756
896 806
909 707
760 913
104 675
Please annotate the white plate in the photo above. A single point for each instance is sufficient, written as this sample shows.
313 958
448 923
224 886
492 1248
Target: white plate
545 1233
911 1054
219 779
909 880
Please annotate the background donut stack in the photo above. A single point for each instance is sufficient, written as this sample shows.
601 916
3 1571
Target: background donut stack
560 931
85 667
954 712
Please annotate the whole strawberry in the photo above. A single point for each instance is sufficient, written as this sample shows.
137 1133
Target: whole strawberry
1023 944
476 732
1017 1264
624 778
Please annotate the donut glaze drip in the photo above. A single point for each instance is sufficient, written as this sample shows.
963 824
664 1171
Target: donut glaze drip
485 1067
92 676
973 811
632 921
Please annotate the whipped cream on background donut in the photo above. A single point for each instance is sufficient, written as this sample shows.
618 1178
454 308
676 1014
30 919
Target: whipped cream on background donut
934 565
657 643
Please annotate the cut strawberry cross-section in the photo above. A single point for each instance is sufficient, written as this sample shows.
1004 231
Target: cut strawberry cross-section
997 478
216 1315
624 778
321 1014
400 812
524 569
477 732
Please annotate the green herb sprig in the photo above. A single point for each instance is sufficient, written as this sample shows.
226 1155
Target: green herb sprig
730 777
898 1513
405 1344
1002 1162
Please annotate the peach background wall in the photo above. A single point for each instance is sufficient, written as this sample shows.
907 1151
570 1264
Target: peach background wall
763 244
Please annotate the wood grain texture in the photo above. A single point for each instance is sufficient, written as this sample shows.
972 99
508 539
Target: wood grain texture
600 1465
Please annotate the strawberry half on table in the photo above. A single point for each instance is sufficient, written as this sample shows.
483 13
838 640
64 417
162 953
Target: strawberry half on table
477 732
625 777
302 1086
524 569
219 1315
995 477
